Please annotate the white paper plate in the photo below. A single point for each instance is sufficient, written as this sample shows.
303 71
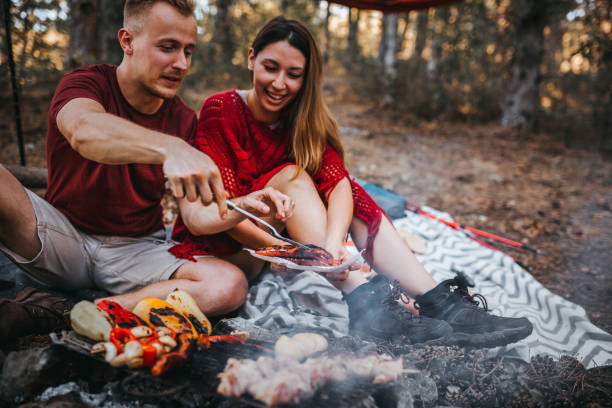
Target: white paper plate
293 265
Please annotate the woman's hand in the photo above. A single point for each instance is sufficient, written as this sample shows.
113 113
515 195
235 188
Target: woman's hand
341 255
267 202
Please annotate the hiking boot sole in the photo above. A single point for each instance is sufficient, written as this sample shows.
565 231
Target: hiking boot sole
442 340
491 339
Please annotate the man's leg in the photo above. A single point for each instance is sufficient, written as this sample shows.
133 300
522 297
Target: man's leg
17 218
217 286
40 239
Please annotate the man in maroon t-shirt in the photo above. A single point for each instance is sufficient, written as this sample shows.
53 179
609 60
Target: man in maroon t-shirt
114 134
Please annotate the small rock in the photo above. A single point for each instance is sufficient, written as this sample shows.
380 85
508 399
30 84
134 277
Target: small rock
27 373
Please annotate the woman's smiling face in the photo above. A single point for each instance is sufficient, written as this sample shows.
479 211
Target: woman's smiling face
278 75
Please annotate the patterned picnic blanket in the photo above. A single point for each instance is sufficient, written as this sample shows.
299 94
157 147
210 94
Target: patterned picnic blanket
308 302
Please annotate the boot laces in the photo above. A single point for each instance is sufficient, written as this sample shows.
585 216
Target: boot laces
474 300
393 294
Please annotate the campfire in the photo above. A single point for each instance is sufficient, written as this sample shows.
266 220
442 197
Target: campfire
158 350
68 373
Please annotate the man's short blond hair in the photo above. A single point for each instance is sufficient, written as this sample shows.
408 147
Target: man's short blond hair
135 10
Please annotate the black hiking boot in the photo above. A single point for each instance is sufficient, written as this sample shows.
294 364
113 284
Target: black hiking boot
32 312
461 310
375 313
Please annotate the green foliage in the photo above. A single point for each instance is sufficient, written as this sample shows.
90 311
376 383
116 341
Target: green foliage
468 80
227 29
462 74
32 23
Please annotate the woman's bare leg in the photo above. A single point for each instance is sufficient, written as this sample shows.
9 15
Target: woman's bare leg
393 258
309 221
308 224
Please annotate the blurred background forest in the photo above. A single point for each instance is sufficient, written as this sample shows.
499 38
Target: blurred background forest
543 65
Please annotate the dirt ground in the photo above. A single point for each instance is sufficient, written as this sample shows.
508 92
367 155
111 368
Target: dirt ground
528 187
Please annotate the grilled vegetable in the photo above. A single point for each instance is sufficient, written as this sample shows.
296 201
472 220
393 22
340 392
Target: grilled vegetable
184 303
119 336
157 312
90 321
175 358
122 317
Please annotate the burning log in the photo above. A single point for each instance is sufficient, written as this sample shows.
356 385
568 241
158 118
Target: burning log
30 177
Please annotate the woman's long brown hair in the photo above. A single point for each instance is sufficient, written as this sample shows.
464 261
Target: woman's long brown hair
308 118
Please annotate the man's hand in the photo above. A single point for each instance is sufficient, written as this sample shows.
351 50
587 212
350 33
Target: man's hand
193 174
267 202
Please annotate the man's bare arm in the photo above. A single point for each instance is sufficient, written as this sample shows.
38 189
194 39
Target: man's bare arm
106 138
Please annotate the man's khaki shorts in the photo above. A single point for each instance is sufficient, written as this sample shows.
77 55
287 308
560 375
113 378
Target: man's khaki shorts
70 259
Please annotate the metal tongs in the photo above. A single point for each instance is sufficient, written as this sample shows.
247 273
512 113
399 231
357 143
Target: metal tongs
273 230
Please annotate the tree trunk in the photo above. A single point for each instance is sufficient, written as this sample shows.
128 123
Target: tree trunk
284 6
30 177
421 34
402 37
223 32
387 49
521 102
93 32
327 35
352 49
437 39
387 56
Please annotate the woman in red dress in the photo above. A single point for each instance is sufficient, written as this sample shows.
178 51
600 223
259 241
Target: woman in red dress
280 134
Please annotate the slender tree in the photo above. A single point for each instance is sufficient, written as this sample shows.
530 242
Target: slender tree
326 33
420 34
352 47
93 32
529 17
387 55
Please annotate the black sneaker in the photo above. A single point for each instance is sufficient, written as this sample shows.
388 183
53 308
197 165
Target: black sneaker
463 312
375 313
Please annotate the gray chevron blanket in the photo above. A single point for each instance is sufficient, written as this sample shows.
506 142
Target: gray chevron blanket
308 302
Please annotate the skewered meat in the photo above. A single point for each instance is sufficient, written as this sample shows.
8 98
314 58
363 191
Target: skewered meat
311 256
279 381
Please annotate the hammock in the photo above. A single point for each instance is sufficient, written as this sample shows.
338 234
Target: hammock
393 6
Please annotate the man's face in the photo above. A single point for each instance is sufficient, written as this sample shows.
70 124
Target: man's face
162 50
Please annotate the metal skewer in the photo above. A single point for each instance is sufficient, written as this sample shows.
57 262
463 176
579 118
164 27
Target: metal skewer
273 230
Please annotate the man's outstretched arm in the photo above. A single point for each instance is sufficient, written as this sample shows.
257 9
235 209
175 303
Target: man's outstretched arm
106 138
